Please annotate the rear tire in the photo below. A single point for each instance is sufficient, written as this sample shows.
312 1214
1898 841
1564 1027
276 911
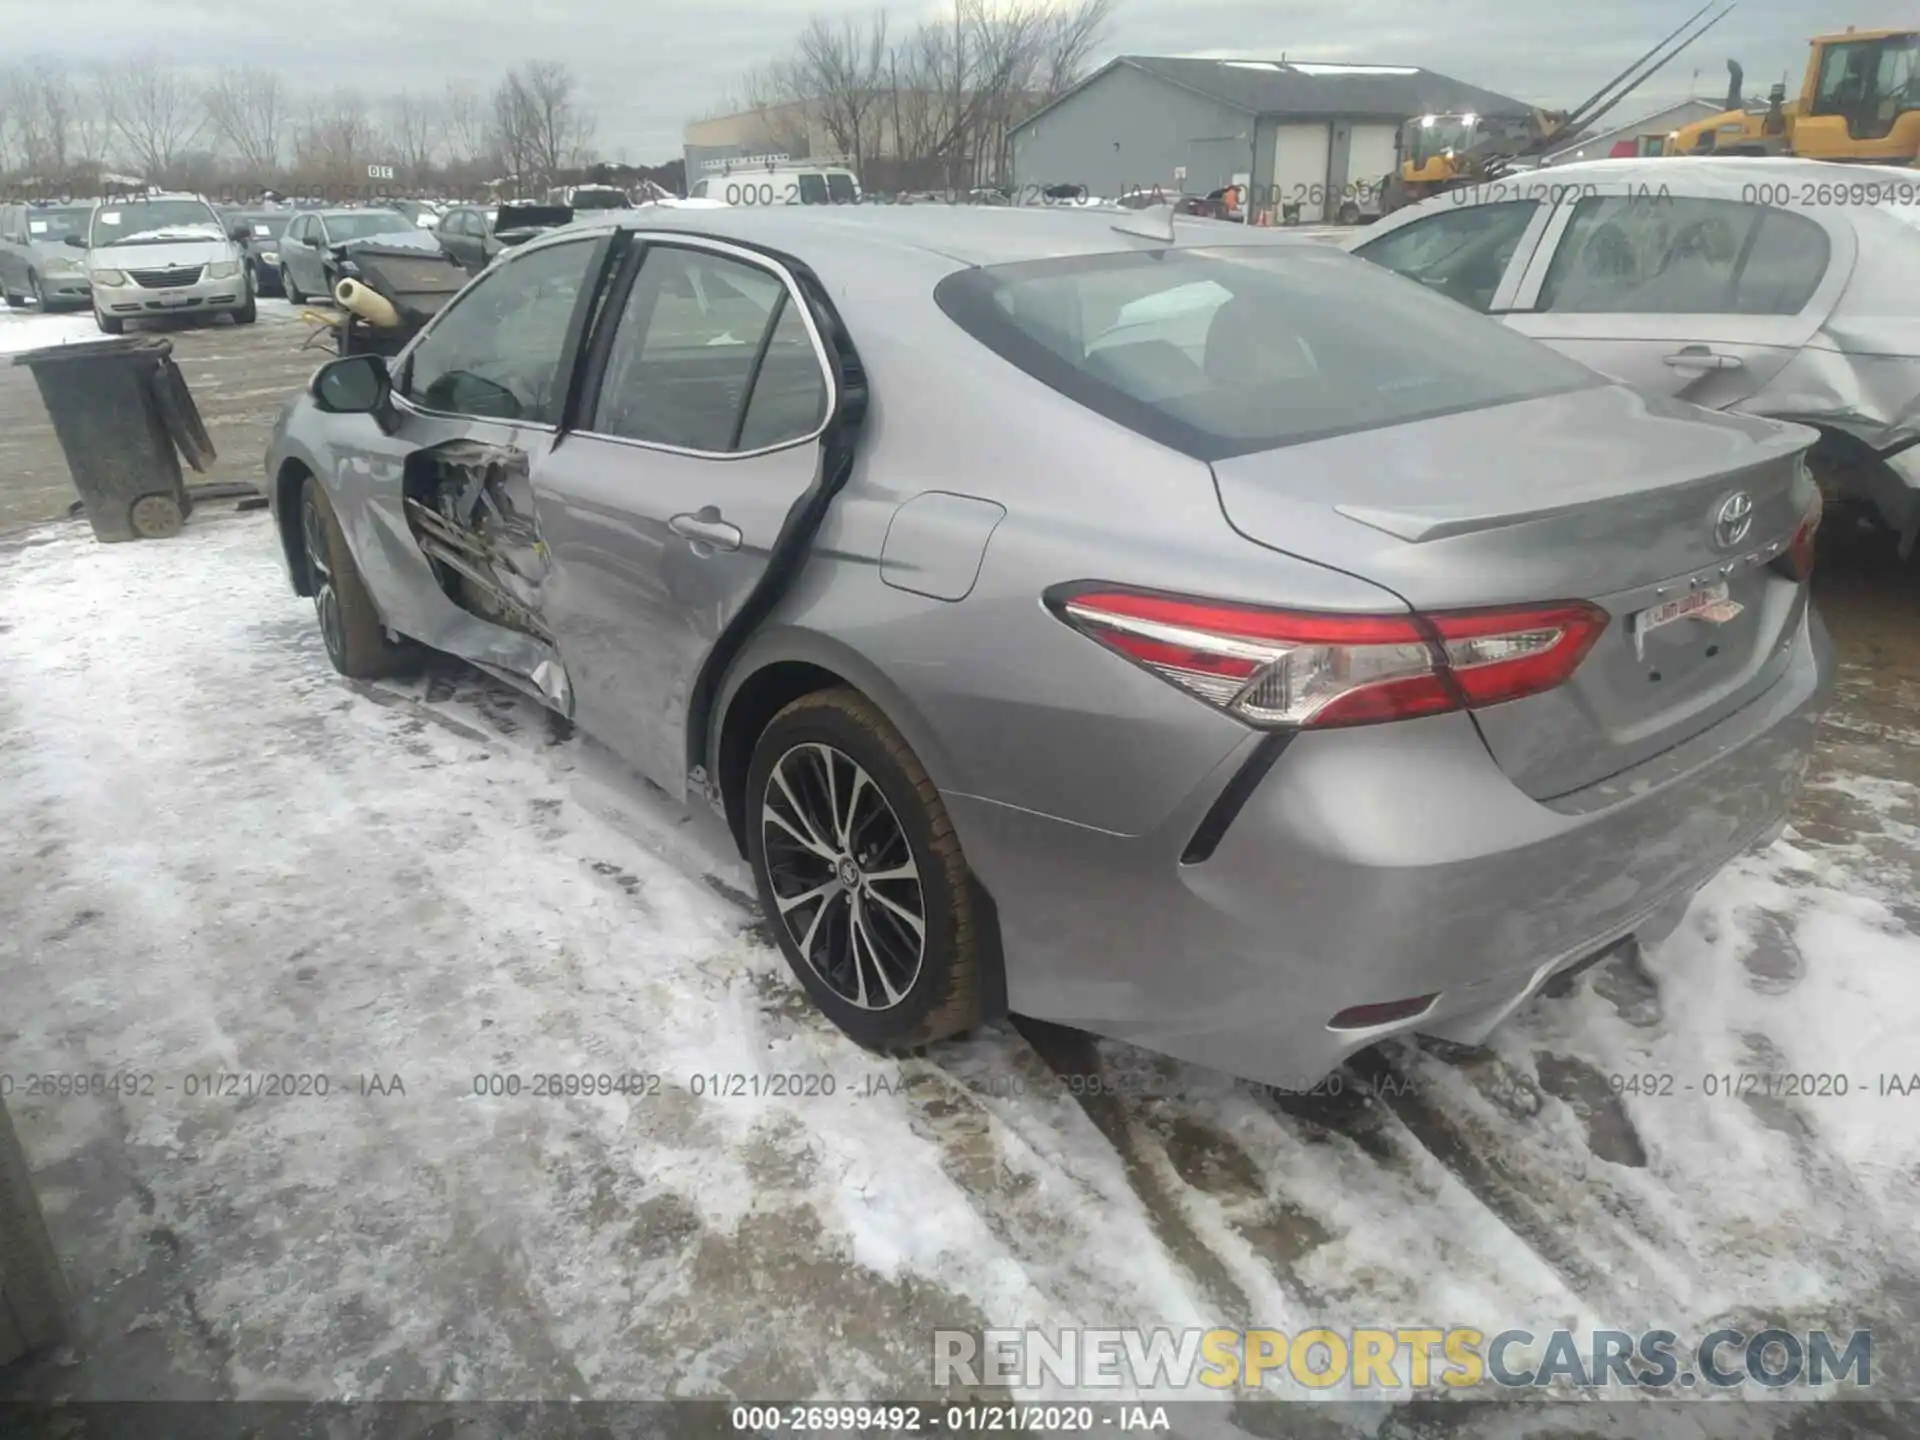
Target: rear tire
350 626
860 874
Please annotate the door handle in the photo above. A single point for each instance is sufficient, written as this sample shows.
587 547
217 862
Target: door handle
705 527
1699 357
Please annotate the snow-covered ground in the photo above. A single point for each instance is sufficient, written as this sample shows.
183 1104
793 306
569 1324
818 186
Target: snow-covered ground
28 329
219 857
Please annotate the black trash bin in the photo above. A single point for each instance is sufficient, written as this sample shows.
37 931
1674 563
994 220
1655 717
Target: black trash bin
35 1304
124 417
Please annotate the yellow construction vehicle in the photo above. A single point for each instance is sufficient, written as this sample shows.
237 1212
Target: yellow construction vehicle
1442 152
1860 101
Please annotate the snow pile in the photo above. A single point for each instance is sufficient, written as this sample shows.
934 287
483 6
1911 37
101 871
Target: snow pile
221 858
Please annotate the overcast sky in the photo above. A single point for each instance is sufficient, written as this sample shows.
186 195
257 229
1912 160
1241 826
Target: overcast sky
648 66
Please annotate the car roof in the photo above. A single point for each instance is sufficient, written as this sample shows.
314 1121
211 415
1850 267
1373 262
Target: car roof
329 211
1710 172
960 235
111 201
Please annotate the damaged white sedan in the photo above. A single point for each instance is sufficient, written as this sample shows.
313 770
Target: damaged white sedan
1783 288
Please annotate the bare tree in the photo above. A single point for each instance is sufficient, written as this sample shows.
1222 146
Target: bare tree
42 107
779 102
465 123
92 135
155 112
512 131
413 131
538 123
337 139
947 95
248 111
842 70
1067 40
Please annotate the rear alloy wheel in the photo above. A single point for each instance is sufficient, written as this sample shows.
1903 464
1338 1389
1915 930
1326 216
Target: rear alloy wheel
356 642
860 870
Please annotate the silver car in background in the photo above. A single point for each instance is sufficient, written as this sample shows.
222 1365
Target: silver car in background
1182 632
1786 288
36 262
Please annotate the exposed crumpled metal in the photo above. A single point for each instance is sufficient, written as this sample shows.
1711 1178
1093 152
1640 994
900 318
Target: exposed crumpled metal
1861 372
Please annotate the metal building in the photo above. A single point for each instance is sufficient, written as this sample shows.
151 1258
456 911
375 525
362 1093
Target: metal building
1320 137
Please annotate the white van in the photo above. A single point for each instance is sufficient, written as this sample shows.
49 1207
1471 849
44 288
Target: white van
797 183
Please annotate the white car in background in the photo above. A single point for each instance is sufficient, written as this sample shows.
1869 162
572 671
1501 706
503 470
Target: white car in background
1782 288
149 255
797 184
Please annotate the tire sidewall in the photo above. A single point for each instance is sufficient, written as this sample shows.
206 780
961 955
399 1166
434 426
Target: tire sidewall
313 494
832 726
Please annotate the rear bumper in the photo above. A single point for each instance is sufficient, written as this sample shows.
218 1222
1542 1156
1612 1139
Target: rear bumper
1372 865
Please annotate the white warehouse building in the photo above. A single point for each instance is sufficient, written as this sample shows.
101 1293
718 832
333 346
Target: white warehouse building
1321 137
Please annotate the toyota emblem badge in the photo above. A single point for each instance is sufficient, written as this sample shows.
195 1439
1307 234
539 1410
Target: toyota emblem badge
1735 519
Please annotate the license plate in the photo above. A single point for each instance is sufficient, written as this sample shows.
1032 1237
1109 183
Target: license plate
175 299
1710 603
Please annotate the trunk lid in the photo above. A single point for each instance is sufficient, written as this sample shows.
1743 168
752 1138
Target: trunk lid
1606 495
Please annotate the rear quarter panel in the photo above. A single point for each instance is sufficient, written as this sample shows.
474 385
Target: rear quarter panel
1007 702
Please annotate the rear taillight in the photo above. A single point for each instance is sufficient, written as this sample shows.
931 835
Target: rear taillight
1797 558
1301 669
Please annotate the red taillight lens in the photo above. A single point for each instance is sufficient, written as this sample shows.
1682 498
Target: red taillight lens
1797 558
1497 655
1296 669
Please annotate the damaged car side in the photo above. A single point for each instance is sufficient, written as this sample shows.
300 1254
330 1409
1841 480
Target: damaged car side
1086 613
1777 287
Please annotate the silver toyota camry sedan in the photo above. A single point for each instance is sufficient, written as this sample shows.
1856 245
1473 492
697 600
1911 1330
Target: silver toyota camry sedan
1166 628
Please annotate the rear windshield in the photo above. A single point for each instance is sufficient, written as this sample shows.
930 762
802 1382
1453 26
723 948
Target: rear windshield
1225 351
363 224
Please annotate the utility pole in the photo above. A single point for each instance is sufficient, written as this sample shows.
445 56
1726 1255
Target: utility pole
959 91
899 146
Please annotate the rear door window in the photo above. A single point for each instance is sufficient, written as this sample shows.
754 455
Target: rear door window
1670 255
696 330
813 190
840 189
1224 351
1461 252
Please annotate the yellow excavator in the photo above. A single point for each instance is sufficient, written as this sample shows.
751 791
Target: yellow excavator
1443 152
1860 101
